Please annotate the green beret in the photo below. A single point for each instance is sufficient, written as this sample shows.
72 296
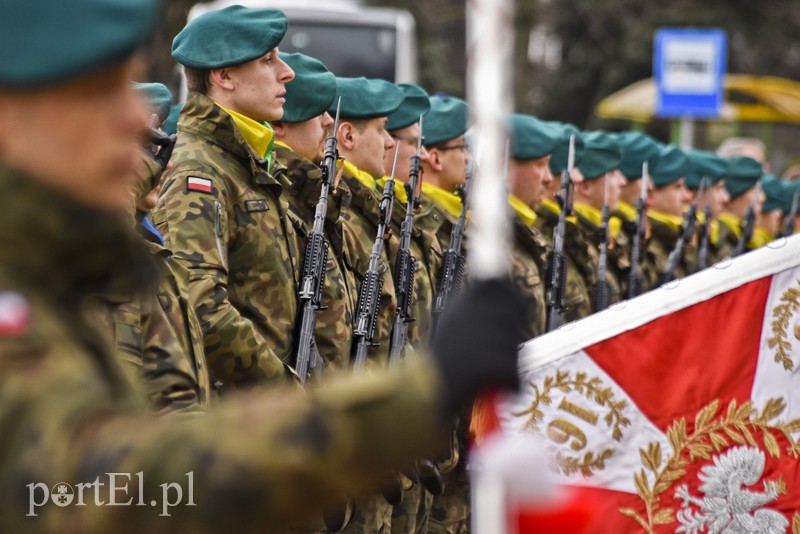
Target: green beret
775 194
44 41
601 154
447 119
671 166
170 125
157 96
366 98
790 187
704 164
228 37
532 138
559 158
312 91
415 105
636 149
742 175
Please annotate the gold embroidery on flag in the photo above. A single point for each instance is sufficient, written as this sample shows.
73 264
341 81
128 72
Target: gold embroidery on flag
783 313
566 430
796 523
712 432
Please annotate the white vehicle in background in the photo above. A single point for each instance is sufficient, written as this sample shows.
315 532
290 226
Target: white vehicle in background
349 38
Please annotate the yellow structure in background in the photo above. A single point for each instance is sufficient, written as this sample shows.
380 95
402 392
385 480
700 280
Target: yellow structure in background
747 98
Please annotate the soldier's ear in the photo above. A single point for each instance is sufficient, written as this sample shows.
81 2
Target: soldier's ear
221 78
280 131
434 160
347 135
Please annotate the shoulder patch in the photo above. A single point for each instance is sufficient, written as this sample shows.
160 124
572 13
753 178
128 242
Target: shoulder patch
14 313
195 183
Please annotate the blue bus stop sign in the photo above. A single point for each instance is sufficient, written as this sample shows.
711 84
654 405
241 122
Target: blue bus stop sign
689 68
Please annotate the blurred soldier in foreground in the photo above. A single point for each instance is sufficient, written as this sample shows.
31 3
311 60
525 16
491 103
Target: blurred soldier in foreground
68 414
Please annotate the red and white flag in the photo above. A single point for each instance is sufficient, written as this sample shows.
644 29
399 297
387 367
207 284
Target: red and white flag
678 411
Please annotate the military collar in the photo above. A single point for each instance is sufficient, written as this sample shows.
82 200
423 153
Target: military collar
363 200
79 250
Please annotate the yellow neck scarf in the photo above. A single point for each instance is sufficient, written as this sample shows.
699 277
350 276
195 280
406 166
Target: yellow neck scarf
258 135
595 217
399 189
364 177
627 210
551 205
760 238
449 202
523 210
732 222
673 221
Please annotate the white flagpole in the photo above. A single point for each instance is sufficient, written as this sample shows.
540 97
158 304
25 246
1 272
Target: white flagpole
490 43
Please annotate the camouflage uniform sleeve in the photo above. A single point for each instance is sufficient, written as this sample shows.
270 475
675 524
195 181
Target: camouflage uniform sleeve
63 423
194 225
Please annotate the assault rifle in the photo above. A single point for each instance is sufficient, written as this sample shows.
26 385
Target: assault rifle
557 277
370 291
705 231
788 222
451 274
686 233
634 282
315 260
161 145
602 291
748 223
404 264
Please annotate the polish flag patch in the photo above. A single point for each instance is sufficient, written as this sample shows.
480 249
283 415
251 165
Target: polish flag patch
14 313
195 183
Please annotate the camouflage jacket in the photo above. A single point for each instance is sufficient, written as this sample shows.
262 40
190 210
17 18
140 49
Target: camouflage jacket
360 231
618 257
69 415
301 180
726 243
158 333
528 269
581 263
663 239
221 213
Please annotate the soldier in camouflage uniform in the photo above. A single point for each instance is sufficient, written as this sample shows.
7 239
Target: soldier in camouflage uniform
581 260
363 143
220 209
665 212
69 414
741 177
599 168
299 149
637 148
444 172
532 142
707 165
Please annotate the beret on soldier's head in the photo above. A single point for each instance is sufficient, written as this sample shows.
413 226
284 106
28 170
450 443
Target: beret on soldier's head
312 91
46 42
157 96
790 187
447 119
672 165
366 98
704 164
415 105
170 125
742 175
559 158
532 138
636 149
228 37
601 154
774 192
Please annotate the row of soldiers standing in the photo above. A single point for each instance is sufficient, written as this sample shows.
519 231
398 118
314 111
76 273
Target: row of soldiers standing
237 204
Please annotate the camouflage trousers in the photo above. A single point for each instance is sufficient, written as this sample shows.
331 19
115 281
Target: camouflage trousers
450 512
